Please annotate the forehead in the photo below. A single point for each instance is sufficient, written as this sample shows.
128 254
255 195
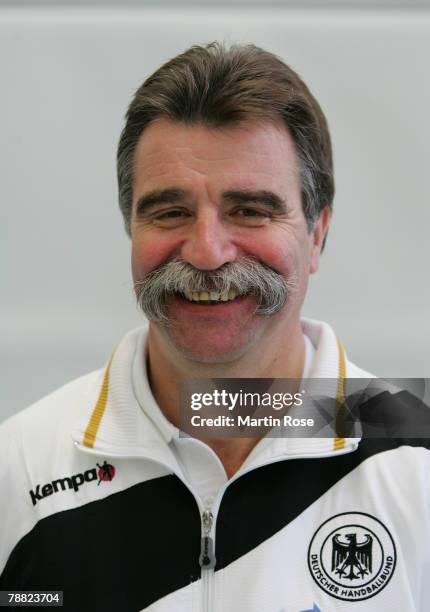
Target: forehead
169 149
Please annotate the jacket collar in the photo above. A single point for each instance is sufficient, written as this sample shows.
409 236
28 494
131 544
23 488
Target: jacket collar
118 425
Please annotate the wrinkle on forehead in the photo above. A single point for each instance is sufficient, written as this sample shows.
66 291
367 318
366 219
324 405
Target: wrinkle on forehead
172 153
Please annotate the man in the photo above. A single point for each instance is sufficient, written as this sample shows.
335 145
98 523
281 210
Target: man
226 187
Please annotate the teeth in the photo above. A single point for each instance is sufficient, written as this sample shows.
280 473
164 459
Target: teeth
212 296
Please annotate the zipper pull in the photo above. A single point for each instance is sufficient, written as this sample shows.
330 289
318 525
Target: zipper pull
207 557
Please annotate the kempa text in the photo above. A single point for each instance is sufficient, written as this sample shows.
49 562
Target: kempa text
61 484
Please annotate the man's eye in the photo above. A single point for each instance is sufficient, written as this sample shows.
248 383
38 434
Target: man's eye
250 212
170 214
251 216
170 217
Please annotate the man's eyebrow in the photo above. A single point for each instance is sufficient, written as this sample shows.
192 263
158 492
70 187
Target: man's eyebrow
172 195
247 196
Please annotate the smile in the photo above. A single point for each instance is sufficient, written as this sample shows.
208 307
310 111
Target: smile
210 297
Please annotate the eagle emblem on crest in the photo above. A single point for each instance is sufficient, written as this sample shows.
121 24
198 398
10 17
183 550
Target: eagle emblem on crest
351 559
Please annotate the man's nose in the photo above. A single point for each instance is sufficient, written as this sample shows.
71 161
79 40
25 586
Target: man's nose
208 245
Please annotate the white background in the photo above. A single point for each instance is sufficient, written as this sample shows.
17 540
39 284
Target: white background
66 78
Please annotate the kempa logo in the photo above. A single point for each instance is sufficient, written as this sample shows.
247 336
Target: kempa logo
105 472
352 556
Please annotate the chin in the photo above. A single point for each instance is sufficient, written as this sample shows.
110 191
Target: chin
210 350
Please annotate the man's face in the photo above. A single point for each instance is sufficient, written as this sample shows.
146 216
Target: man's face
214 196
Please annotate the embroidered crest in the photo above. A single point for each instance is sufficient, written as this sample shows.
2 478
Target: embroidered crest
352 556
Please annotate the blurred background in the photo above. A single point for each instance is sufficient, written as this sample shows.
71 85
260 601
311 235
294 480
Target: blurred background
67 73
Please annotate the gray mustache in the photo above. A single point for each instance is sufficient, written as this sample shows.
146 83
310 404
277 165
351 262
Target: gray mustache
247 276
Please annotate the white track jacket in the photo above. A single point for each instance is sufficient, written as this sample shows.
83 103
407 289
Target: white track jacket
95 503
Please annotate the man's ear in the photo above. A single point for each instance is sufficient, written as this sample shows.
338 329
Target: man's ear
318 235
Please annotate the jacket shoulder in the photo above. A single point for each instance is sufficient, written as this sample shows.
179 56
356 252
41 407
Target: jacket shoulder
62 404
42 431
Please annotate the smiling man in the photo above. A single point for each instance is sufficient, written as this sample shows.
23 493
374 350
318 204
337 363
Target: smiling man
226 188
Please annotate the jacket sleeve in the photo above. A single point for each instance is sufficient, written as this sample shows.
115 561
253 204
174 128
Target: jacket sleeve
16 516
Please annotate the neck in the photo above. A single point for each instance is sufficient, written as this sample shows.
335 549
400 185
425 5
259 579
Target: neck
279 356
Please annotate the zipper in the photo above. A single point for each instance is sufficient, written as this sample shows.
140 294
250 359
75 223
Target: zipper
207 558
207 561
